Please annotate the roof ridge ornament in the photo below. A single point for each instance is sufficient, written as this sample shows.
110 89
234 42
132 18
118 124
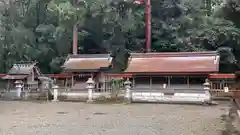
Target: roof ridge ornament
109 58
216 59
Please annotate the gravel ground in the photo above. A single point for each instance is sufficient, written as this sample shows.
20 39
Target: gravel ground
66 118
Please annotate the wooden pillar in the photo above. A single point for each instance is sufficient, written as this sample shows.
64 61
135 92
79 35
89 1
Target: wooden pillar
8 85
104 83
66 82
211 85
133 82
150 82
169 81
72 80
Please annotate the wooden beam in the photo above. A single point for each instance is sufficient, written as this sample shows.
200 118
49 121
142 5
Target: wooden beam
221 76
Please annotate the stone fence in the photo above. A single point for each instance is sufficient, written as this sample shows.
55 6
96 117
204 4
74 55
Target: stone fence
128 95
169 96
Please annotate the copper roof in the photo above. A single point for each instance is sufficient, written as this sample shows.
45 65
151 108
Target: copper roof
83 62
175 62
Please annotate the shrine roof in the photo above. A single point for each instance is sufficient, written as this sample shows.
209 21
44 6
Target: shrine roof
174 62
86 62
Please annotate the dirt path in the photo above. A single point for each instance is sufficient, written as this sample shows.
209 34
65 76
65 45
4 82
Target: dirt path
65 118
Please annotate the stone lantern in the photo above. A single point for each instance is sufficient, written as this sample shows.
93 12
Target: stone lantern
55 93
19 86
206 85
128 94
90 86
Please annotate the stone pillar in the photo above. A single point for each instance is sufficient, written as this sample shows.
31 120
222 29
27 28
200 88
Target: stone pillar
55 93
19 86
90 86
128 94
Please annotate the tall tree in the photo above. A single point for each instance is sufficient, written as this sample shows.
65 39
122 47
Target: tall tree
42 29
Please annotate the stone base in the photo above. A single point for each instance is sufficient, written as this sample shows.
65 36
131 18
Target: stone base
90 101
178 97
238 113
55 100
127 100
213 103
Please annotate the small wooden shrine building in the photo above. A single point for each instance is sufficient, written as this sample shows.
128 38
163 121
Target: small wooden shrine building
83 66
28 72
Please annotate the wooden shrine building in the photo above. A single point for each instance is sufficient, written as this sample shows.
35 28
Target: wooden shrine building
83 66
175 70
28 72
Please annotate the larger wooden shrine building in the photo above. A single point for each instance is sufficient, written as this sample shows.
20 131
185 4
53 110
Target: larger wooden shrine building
172 70
176 70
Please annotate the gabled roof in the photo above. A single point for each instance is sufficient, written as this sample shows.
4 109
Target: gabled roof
174 62
86 62
22 68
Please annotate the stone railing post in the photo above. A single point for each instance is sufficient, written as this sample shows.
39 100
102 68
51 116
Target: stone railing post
19 86
90 86
55 93
128 93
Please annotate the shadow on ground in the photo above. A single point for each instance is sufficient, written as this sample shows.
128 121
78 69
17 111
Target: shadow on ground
232 122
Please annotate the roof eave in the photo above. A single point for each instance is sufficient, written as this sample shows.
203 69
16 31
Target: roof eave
173 73
175 54
80 70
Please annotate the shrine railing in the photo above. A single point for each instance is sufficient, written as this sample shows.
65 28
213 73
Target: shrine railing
220 93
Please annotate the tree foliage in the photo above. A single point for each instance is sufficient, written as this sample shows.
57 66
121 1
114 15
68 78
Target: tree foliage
42 30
